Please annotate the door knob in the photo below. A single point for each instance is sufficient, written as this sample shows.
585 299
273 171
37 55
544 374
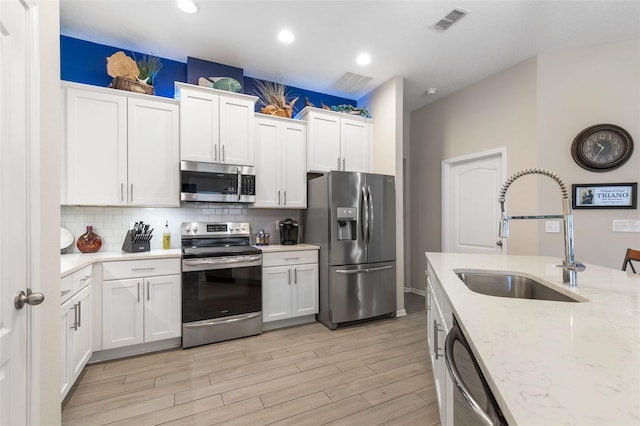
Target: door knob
28 298
499 243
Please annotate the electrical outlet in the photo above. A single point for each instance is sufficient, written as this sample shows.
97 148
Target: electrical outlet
625 226
552 226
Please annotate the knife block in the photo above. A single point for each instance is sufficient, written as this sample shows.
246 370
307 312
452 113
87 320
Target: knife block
131 246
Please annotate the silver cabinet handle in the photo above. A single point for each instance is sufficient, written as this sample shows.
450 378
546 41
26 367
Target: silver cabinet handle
75 318
138 291
289 273
79 313
142 269
131 195
359 271
285 197
291 258
343 166
222 153
295 276
338 163
121 191
436 330
147 291
86 277
278 197
457 379
215 152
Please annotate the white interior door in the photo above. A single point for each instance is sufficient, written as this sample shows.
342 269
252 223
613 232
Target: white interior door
471 213
14 142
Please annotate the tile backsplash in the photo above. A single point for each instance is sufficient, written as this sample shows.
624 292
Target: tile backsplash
112 223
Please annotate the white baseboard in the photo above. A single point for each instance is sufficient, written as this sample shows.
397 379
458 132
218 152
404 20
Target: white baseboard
414 291
132 350
401 313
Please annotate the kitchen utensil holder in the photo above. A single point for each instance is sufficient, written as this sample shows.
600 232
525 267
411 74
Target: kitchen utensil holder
131 246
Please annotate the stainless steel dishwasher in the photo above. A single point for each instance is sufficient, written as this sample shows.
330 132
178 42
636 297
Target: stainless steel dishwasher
473 402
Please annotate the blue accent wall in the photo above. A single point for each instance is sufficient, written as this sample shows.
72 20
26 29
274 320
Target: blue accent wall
86 62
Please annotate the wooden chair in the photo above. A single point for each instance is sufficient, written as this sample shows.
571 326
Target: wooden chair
632 255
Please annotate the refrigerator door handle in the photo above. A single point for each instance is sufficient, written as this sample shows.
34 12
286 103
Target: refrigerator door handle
371 219
361 271
365 216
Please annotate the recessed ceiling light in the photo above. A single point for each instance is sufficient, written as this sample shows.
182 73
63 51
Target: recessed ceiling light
286 36
187 6
363 59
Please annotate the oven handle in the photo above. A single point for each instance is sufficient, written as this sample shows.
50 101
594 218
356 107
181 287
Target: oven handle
222 321
220 263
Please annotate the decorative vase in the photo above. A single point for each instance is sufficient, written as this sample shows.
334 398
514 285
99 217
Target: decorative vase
89 242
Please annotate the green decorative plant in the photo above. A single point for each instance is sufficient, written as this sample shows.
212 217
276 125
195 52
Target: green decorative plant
149 67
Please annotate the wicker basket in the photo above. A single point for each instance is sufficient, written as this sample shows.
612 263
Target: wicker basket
131 86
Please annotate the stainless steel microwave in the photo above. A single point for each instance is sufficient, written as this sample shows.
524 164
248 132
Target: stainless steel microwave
217 183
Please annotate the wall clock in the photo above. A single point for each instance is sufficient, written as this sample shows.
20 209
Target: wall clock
602 147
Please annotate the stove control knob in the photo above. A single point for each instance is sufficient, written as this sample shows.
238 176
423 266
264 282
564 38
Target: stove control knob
195 229
187 228
244 227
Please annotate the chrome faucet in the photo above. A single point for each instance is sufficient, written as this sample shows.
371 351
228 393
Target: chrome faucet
569 266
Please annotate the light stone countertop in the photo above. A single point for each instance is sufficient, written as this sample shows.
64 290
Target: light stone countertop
272 248
69 263
551 363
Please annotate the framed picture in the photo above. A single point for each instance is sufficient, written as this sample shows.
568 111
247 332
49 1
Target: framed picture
605 196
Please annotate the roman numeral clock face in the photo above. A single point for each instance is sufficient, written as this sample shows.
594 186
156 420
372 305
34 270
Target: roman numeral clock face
602 147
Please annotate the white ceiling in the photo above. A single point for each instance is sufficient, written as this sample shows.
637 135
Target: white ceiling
331 33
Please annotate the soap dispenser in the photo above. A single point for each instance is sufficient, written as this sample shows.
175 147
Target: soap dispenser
166 237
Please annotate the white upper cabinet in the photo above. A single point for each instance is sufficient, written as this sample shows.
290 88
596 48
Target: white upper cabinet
337 141
280 163
216 126
121 149
153 152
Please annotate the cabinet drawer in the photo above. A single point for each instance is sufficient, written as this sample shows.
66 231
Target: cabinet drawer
284 258
140 268
74 282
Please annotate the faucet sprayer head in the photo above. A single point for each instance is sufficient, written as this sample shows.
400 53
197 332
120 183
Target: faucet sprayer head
504 227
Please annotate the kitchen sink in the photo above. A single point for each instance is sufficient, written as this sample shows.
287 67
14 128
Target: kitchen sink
510 285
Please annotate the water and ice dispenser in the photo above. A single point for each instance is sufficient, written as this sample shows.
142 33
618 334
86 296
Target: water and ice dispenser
347 223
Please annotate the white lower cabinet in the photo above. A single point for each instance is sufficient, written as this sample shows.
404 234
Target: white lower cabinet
289 284
75 322
141 307
439 322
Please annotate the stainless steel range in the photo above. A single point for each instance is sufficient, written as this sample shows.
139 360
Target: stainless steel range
221 283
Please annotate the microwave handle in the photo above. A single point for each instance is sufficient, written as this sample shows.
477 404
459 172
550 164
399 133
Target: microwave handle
239 183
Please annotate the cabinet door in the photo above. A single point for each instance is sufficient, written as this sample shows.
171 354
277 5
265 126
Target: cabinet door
81 336
67 320
276 293
162 308
96 148
154 153
236 131
122 313
199 126
268 159
355 145
293 166
323 144
304 295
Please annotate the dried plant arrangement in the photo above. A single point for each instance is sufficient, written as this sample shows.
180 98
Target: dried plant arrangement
274 96
149 67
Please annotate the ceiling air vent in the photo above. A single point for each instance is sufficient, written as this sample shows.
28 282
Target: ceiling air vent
454 16
351 83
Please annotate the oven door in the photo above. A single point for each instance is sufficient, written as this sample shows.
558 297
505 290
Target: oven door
221 287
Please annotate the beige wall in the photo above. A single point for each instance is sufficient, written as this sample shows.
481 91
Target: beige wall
385 105
534 109
496 112
577 89
47 349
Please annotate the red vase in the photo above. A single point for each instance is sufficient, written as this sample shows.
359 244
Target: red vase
89 242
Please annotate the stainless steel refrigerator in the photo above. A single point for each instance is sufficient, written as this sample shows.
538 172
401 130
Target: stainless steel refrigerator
351 216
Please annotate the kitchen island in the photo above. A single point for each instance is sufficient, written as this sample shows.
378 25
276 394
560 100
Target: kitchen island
550 362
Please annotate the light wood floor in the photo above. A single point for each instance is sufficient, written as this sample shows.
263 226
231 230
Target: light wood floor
371 373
